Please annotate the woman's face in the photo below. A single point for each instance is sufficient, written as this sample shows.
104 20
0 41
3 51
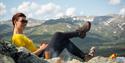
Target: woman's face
21 23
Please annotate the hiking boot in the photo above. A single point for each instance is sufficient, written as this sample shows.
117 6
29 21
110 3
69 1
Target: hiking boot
85 28
92 51
90 55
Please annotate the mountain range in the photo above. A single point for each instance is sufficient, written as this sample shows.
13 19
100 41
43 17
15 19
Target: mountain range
107 33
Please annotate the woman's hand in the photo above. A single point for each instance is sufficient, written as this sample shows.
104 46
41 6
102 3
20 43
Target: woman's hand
43 46
40 49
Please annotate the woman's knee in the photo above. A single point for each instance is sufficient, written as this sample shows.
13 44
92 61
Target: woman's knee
58 33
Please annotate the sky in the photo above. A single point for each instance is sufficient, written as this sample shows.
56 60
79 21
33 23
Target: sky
47 9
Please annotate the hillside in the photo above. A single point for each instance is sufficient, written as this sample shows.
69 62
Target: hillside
107 32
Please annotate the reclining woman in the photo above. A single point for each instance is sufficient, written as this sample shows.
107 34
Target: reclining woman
58 42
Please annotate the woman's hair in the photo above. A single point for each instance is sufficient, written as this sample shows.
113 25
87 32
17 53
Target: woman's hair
16 16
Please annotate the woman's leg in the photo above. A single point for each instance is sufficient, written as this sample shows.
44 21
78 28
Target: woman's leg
73 34
58 43
59 40
80 32
73 49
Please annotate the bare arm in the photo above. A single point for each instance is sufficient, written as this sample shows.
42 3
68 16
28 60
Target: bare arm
40 49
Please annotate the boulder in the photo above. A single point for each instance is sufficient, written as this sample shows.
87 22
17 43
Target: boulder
100 59
6 59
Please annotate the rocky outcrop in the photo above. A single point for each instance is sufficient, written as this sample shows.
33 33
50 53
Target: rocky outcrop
98 59
8 50
6 59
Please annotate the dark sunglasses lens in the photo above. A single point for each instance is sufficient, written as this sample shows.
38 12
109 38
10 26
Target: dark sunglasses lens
24 21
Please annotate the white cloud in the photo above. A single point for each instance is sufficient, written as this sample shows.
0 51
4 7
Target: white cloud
114 2
2 8
67 12
122 11
30 15
48 8
43 11
31 9
70 11
13 10
24 7
61 14
34 6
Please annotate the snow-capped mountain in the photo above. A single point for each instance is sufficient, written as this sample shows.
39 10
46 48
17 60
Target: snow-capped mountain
106 32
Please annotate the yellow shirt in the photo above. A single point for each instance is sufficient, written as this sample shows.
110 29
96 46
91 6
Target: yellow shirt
21 40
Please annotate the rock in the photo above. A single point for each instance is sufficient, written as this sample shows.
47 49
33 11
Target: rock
55 60
100 59
8 50
120 59
19 56
74 61
59 60
6 59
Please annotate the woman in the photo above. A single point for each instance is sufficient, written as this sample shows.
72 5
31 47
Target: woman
59 41
19 39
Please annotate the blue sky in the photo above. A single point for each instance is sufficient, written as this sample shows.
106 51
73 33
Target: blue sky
46 9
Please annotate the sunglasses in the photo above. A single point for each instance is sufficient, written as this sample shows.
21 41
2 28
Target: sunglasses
24 21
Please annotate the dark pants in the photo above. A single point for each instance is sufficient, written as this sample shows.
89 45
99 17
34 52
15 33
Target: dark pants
60 41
